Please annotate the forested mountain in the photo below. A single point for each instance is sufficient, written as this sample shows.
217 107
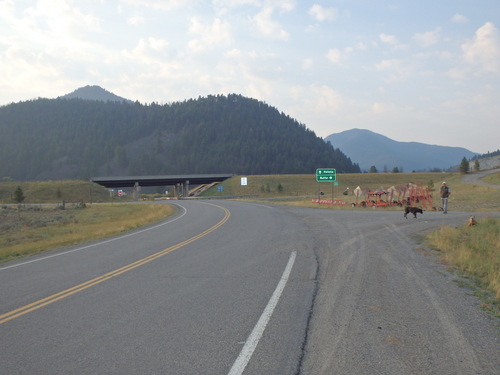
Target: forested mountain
74 138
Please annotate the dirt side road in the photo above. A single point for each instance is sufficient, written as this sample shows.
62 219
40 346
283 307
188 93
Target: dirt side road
476 178
385 305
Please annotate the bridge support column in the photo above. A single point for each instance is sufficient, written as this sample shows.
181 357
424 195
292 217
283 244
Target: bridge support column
137 190
178 191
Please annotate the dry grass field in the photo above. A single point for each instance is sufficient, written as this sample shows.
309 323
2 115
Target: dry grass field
301 189
31 230
70 191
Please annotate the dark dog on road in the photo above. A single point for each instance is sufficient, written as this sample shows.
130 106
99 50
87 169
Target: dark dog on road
413 210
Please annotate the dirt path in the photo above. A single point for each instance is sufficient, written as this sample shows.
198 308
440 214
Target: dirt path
476 178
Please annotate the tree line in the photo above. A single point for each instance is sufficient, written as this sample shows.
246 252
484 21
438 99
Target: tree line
74 138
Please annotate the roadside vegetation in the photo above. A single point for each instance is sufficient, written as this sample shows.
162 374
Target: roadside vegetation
492 179
299 190
29 230
474 252
68 191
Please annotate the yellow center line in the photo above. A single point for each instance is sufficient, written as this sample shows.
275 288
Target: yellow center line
78 288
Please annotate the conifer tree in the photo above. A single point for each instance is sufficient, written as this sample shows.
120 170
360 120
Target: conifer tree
464 166
19 195
477 167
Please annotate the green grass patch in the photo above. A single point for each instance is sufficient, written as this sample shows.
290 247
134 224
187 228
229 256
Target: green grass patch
492 178
474 252
32 230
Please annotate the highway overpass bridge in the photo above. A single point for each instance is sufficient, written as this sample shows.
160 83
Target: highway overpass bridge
181 182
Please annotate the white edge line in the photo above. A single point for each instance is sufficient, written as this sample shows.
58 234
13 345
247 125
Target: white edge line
97 243
252 341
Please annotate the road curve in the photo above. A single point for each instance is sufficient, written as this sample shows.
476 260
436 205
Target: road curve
476 178
339 292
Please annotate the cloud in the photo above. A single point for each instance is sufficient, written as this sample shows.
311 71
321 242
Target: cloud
60 17
218 32
149 52
253 73
459 18
267 26
322 14
158 4
392 41
361 46
234 3
327 99
283 5
50 27
457 73
52 34
379 108
317 101
389 39
428 38
153 44
307 63
7 9
388 64
483 51
136 20
398 69
334 55
224 7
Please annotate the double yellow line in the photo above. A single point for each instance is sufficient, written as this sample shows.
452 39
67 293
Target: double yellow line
78 288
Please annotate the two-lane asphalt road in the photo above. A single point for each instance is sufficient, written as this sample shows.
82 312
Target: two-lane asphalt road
233 287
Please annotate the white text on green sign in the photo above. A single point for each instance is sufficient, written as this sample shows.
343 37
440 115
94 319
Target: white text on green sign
326 175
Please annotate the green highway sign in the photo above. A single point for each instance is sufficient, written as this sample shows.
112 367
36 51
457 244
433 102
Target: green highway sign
326 175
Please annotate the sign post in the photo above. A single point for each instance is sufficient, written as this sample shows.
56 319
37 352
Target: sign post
325 175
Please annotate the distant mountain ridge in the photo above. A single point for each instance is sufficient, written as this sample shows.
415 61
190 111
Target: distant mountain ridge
369 149
94 93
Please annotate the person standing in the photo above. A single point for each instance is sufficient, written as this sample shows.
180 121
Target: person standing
444 192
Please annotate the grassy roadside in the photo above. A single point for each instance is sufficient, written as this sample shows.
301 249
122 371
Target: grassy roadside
32 230
492 178
69 191
474 252
298 190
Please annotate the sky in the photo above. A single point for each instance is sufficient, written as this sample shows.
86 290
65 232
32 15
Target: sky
415 71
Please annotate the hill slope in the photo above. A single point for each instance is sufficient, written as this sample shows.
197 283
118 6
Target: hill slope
74 138
371 149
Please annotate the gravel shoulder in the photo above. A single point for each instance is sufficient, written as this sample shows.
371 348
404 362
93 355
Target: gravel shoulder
385 305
